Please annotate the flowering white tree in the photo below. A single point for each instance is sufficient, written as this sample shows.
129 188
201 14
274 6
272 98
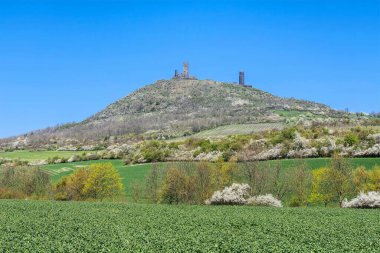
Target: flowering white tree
364 200
236 194
264 200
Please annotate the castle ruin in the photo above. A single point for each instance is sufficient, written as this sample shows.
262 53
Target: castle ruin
185 75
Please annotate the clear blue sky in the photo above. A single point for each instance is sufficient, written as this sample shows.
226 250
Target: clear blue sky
63 61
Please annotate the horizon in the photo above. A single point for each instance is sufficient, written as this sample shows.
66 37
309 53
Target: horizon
65 61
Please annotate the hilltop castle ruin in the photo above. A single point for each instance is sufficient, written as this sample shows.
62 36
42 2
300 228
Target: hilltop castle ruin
186 76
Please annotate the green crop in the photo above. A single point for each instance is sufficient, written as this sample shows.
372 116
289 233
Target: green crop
43 226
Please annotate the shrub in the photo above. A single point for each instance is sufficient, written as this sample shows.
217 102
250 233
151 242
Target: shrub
98 181
177 187
24 181
154 151
71 187
264 200
103 182
364 200
351 139
236 194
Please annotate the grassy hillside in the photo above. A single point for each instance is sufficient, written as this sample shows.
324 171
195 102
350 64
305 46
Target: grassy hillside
37 155
236 129
39 226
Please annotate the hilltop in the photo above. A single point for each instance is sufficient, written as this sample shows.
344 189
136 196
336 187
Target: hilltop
175 108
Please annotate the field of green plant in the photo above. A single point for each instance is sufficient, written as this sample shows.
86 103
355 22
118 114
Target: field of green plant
37 155
41 226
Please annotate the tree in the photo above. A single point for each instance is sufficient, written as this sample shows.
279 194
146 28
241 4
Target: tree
32 182
333 183
339 177
71 187
256 176
320 192
152 183
136 190
280 182
177 187
365 180
103 181
300 181
360 178
203 182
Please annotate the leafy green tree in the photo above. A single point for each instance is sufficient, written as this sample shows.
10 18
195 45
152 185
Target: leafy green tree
320 191
103 182
333 183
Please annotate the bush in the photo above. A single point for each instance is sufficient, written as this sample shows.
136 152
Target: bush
264 200
350 140
154 151
98 181
177 187
236 194
20 182
364 200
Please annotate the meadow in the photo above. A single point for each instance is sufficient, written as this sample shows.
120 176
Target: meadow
29 156
48 226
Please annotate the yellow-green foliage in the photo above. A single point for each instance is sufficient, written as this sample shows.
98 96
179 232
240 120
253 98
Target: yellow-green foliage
98 181
103 181
365 180
320 192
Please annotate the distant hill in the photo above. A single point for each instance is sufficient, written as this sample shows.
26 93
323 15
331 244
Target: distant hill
173 108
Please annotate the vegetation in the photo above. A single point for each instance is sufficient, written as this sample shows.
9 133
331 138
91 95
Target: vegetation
30 156
23 182
108 227
98 181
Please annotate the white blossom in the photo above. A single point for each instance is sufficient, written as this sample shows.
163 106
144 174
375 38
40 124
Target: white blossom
236 194
364 200
264 200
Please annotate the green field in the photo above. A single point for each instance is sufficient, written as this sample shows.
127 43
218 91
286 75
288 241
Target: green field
43 226
37 155
223 131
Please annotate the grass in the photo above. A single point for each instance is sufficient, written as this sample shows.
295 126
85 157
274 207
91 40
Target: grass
48 226
37 155
236 129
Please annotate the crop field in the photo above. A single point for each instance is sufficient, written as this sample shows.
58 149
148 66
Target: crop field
37 155
43 226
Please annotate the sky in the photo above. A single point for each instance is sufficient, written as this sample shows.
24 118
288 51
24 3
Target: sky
63 61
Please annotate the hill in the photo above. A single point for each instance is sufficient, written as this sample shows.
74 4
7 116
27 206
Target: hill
175 108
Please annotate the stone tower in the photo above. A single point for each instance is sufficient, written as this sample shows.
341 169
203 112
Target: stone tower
241 78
